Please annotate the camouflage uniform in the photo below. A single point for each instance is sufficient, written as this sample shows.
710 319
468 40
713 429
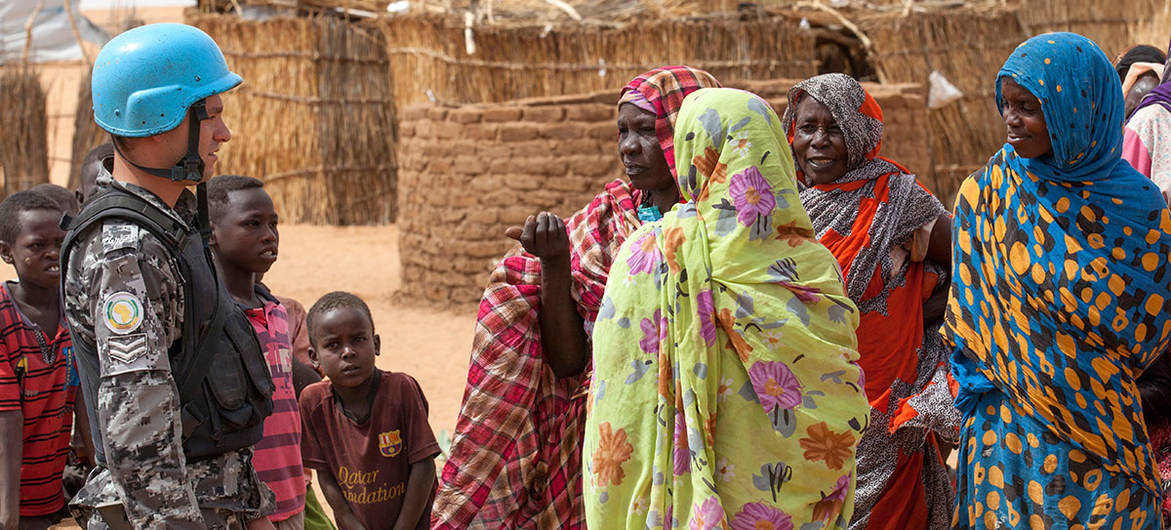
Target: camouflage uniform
137 407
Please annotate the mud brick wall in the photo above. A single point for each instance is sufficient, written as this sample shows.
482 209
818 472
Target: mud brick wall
468 172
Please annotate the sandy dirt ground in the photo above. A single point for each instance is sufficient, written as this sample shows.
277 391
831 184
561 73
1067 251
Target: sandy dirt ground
430 344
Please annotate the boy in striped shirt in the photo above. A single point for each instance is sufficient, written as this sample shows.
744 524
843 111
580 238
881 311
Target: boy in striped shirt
36 365
244 242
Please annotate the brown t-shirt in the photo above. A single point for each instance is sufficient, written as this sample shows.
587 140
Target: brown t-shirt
371 461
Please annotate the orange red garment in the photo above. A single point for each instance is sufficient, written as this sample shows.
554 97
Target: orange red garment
875 219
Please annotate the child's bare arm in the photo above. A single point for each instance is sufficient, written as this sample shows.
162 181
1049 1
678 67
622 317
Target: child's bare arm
342 514
12 427
81 442
419 487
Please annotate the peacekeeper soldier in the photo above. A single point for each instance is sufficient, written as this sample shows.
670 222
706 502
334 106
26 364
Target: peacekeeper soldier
174 379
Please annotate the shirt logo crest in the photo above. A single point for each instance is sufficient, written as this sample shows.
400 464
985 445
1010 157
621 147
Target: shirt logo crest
390 443
123 312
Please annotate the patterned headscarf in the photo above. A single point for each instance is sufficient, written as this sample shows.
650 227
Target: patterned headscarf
664 88
1083 106
704 290
1060 269
855 110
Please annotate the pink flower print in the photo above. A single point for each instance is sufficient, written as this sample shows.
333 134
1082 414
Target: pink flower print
708 515
841 488
830 506
752 195
662 329
644 255
651 334
760 516
706 305
682 451
775 385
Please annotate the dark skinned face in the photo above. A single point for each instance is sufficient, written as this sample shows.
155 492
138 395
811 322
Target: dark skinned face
344 346
245 235
638 146
818 143
37 249
1024 121
1139 90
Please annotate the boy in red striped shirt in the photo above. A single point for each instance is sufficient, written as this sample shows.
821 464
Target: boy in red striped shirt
36 365
244 242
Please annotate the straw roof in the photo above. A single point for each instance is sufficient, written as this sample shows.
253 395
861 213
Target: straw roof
24 139
314 118
435 58
369 6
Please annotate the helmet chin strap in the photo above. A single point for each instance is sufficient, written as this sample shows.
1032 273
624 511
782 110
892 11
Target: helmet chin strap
188 168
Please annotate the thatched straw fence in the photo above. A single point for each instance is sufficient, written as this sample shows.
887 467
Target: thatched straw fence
1110 23
24 139
430 59
86 133
314 118
967 46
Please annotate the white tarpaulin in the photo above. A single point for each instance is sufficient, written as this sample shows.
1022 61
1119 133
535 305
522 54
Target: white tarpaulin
52 37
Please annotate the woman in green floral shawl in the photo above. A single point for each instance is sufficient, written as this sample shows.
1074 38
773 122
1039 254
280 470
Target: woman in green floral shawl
725 392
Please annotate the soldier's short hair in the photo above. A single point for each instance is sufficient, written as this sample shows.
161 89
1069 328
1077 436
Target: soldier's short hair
219 187
331 301
22 201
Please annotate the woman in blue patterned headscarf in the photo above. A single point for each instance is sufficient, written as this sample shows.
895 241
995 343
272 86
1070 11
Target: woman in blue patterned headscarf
1060 276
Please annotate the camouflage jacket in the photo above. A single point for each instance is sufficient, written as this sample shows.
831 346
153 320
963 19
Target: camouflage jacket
123 293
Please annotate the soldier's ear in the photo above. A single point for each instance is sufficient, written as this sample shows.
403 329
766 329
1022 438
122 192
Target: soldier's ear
6 252
211 242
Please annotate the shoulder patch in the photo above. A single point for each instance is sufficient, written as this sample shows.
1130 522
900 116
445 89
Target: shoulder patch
122 312
118 235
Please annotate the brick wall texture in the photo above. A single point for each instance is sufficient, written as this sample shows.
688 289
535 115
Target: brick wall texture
467 173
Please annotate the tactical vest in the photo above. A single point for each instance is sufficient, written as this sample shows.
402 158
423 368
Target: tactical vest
225 389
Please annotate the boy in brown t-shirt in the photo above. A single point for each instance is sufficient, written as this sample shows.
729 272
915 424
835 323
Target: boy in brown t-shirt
365 430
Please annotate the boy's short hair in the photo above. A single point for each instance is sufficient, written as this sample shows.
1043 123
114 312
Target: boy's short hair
98 153
331 301
22 201
219 187
65 198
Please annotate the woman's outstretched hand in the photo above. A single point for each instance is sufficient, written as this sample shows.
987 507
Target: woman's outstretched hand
543 236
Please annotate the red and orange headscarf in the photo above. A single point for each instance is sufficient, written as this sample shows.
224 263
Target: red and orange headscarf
664 89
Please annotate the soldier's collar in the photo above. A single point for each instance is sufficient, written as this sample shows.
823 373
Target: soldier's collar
184 213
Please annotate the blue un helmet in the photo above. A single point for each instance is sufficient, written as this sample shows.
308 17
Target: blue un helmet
146 80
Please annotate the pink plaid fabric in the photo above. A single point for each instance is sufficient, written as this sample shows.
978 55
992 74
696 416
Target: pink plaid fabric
515 458
516 453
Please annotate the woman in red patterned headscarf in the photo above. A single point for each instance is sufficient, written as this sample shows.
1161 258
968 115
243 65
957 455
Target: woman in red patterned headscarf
516 454
892 240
